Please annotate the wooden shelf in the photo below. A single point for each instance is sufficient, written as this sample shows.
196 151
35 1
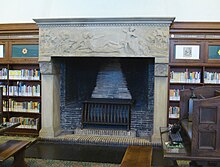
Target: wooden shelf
198 34
184 83
25 80
199 65
22 112
174 100
35 97
15 36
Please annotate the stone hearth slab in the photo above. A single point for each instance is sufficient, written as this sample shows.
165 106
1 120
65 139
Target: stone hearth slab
105 132
99 140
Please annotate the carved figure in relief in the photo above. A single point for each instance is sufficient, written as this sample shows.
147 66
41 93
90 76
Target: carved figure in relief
134 44
159 39
131 41
87 44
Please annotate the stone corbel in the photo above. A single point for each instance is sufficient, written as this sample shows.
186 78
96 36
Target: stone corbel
161 70
49 68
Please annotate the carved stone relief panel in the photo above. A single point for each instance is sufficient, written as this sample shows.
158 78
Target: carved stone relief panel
130 41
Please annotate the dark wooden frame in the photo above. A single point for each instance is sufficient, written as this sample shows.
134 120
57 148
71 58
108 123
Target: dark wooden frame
212 43
18 33
173 45
22 60
3 43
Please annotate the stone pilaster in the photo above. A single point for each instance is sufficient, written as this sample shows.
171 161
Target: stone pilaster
50 99
160 98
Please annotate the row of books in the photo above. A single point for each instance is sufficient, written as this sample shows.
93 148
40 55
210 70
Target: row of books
3 73
24 90
174 94
185 77
31 123
25 74
22 74
212 77
26 106
174 112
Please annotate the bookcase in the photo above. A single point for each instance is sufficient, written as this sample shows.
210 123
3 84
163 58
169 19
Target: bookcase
194 60
20 77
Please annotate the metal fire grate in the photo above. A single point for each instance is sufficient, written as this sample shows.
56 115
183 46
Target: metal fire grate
108 112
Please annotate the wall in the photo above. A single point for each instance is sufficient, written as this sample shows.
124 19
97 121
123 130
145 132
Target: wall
15 11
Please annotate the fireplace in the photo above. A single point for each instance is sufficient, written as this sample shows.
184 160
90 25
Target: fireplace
122 88
140 43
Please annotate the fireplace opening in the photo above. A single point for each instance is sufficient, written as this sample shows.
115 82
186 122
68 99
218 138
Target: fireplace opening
111 80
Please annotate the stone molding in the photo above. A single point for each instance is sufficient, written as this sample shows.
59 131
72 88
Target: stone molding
88 22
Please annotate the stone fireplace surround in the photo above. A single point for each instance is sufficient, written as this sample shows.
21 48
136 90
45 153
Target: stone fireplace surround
101 37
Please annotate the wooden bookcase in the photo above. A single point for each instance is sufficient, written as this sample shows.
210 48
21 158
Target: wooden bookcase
194 60
20 77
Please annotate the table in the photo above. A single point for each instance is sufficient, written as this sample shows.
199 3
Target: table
15 148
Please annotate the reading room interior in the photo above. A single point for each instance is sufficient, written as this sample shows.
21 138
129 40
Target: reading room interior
99 84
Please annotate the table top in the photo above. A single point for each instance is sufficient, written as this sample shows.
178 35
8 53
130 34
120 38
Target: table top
137 156
7 125
12 147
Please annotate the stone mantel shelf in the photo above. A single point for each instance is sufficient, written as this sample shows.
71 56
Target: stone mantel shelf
116 20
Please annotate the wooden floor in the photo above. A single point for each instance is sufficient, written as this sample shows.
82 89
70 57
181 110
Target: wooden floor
140 156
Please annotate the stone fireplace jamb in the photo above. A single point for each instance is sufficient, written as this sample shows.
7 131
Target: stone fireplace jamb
160 97
50 76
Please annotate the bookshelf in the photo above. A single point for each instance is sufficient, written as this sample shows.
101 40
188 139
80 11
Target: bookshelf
20 77
194 60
